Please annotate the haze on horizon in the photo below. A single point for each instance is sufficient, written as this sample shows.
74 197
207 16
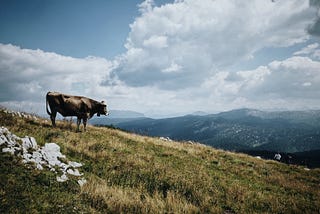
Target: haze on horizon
162 57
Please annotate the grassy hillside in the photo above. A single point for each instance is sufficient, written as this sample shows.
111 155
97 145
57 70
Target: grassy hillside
128 173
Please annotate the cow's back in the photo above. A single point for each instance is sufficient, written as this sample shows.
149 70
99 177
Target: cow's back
66 105
75 105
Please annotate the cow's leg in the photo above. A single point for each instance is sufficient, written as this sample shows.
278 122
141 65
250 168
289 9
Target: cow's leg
53 118
85 123
85 119
78 123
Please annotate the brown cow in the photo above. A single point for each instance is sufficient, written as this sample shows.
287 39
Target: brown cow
82 107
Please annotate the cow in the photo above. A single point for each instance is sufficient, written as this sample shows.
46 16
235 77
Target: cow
67 105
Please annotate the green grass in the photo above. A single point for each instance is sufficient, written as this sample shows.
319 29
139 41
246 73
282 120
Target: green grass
23 189
128 173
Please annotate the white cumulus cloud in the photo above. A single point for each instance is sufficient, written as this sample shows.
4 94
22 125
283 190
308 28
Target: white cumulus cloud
27 75
205 36
311 50
172 68
292 83
307 50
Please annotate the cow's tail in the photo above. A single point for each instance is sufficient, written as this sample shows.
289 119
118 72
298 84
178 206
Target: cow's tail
47 104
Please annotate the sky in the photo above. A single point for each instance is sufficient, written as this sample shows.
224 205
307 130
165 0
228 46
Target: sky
162 57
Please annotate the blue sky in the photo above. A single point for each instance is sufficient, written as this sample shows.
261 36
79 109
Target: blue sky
162 57
72 28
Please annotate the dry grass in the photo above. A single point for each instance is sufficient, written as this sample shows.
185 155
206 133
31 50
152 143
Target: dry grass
128 173
133 200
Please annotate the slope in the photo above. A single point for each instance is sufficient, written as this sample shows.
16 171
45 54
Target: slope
135 174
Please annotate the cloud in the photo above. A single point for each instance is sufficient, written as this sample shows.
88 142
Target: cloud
156 42
206 36
172 68
311 51
294 81
146 6
314 28
26 75
296 77
307 50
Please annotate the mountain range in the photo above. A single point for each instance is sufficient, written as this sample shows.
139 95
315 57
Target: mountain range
236 130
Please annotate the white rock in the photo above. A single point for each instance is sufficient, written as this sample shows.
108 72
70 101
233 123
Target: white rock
51 153
75 164
11 141
74 172
29 143
39 166
17 148
165 139
63 167
10 150
82 182
26 156
62 178
3 139
36 157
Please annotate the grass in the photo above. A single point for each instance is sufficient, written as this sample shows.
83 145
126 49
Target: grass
23 189
128 173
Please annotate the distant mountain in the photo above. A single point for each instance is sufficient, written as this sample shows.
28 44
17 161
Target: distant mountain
199 113
310 117
115 117
124 114
237 130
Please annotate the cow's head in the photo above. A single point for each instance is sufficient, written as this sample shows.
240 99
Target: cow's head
102 109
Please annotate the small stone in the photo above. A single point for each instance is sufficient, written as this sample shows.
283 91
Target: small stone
75 164
82 182
8 150
29 143
74 172
62 178
39 166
